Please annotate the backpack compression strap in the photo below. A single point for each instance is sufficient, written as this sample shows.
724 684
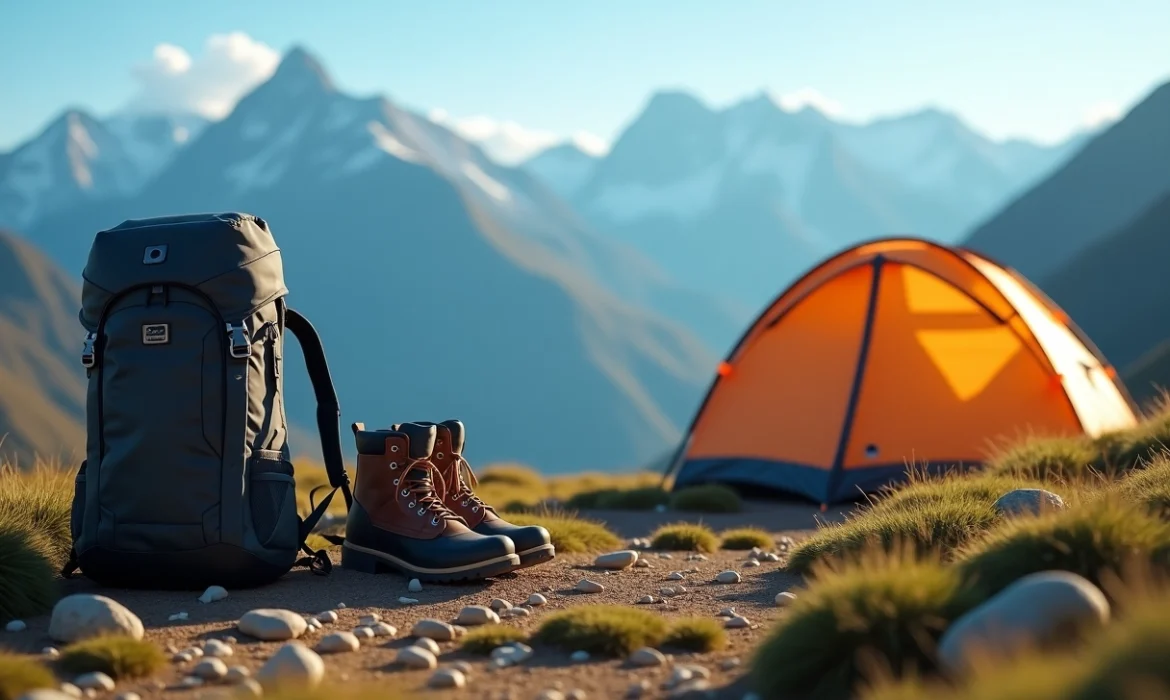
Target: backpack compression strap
329 427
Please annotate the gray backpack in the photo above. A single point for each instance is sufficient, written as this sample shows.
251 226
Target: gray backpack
187 480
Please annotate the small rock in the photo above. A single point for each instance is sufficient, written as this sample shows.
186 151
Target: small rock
647 656
251 687
235 674
15 626
415 586
435 629
194 652
679 675
191 682
51 652
384 629
313 623
622 559
363 633
416 657
668 591
579 656
71 690
537 599
645 600
1027 502
210 669
728 577
728 664
476 615
550 694
179 616
750 563
339 642
462 666
636 690
329 616
217 648
675 576
212 594
407 601
499 604
341 606
772 556
128 696
679 590
784 599
83 615
292 663
182 657
737 622
642 564
726 612
369 620
665 555
519 612
95 680
428 644
447 678
271 624
587 586
684 689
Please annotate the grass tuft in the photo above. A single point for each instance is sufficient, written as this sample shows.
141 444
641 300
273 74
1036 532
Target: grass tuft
696 634
885 611
20 674
643 498
118 656
1149 487
1094 540
977 489
687 537
930 527
513 476
746 538
709 498
569 533
28 584
482 640
605 630
39 501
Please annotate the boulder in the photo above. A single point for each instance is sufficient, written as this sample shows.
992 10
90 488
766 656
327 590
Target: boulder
83 615
1027 502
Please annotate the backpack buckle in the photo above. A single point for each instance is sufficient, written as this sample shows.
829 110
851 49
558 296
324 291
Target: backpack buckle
241 345
88 356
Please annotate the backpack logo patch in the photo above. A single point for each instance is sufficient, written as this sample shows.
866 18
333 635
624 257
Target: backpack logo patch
156 333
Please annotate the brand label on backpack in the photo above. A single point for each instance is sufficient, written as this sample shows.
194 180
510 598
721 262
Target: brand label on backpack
156 333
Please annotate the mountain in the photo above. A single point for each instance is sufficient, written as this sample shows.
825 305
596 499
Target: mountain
1117 291
1109 182
78 158
443 284
742 200
564 168
42 403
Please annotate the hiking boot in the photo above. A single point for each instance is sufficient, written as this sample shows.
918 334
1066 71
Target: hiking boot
532 542
398 519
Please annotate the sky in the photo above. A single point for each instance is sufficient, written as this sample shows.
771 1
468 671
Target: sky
520 75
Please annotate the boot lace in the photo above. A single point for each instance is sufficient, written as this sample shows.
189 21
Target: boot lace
423 493
466 480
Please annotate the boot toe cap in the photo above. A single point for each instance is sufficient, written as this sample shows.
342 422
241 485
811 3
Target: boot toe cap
525 537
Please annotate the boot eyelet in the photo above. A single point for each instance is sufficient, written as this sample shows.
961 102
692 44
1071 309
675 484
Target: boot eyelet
405 492
435 520
396 482
394 465
394 448
439 456
464 504
412 504
475 509
421 511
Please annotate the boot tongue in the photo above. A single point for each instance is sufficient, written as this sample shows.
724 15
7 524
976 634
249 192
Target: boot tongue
457 435
421 439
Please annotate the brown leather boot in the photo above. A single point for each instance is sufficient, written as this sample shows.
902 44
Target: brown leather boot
532 542
399 521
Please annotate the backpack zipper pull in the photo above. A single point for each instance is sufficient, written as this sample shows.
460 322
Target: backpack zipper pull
241 345
87 350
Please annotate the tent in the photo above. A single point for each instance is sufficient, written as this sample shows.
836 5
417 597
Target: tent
893 353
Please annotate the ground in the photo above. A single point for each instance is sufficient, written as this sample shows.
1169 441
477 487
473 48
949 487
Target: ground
361 594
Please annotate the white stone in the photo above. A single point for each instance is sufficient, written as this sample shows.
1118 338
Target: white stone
51 652
668 591
499 604
647 656
416 657
270 624
84 615
587 586
191 682
327 616
293 663
235 674
728 577
250 686
750 563
415 586
665 555
95 680
15 626
646 600
519 612
622 559
428 644
384 629
550 694
579 656
177 617
1027 502
784 599
217 648
447 678
435 629
407 601
476 615
71 690
675 576
182 657
338 642
537 599
363 632
210 669
737 622
194 652
313 623
1036 610
642 564
369 620
771 556
726 612
212 594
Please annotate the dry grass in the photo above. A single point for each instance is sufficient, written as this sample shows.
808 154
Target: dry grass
569 533
39 500
746 538
697 634
117 656
604 630
689 537
20 674
709 498
482 640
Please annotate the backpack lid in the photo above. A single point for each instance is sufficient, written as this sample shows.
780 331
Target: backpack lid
232 257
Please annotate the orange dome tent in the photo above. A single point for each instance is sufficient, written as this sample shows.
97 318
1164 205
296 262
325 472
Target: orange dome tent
891 353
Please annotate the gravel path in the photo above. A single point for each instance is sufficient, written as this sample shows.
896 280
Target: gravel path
299 591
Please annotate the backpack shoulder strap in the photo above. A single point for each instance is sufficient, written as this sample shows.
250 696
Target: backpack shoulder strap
328 426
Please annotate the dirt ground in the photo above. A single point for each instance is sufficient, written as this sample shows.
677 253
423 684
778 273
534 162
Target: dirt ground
360 594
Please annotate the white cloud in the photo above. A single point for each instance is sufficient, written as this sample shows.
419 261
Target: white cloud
809 97
508 142
1101 114
208 84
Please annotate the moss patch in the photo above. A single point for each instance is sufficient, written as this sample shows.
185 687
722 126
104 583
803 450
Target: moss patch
696 634
117 656
20 674
709 498
482 640
684 537
605 630
746 538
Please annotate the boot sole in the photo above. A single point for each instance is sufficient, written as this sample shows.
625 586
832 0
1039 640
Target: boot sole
371 562
536 555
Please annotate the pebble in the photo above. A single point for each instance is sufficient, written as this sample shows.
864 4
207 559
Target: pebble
217 648
182 657
668 591
728 577
384 629
750 563
407 601
339 642
313 623
252 686
341 606
519 612
194 652
327 616
363 632
622 559
415 586
684 689
645 600
272 625
177 617
427 643
476 615
127 696
636 690
587 586
772 556
579 656
675 576
212 594
697 557
462 666
499 604
537 599
550 694
416 657
784 599
369 620
294 662
83 615
235 674
15 626
51 652
1027 502
728 664
647 656
737 622
726 612
435 629
447 678
665 555
71 690
191 682
95 680
642 564
210 669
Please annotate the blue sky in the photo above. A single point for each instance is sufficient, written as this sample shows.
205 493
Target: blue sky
1032 68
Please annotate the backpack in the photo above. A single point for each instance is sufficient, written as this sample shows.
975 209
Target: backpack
187 479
